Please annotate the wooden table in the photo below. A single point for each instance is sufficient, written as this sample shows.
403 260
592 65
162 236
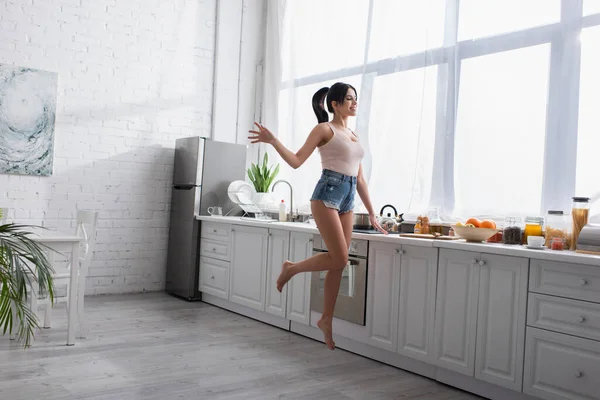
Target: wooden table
61 242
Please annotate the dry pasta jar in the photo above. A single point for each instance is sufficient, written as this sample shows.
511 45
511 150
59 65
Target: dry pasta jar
558 230
534 226
579 216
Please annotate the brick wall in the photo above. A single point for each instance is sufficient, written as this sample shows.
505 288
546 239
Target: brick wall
133 76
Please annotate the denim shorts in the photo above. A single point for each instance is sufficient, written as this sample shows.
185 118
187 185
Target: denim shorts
336 191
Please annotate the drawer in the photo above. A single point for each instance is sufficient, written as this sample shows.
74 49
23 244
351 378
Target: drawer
574 281
562 367
221 232
214 277
558 314
212 248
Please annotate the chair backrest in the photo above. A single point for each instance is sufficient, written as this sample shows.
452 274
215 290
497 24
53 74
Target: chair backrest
86 228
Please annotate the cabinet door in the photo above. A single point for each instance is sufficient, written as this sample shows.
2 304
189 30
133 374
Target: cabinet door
249 267
382 292
418 281
501 320
278 252
456 310
298 304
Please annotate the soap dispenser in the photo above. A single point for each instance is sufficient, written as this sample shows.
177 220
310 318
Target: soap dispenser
282 211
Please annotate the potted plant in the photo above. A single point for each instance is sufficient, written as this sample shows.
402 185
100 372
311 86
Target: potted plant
22 263
262 177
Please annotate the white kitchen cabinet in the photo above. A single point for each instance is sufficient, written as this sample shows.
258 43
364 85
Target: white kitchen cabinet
456 311
561 367
214 277
501 319
248 266
382 294
298 296
416 321
278 252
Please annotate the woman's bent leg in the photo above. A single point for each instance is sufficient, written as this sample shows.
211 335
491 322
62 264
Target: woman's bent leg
331 230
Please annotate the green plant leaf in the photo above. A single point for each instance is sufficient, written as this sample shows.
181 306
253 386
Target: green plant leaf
23 262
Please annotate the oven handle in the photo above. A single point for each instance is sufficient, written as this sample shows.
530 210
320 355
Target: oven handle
353 262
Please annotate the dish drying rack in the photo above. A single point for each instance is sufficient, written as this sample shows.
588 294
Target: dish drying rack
243 198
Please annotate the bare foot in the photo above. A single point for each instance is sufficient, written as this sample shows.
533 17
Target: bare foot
325 326
284 275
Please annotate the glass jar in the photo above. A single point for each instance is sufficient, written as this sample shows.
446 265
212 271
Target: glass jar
579 216
558 226
534 226
435 222
512 233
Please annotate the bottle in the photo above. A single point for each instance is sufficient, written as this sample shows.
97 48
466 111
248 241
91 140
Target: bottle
418 226
282 213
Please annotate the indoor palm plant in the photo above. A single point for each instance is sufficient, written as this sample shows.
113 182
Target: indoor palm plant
23 262
262 176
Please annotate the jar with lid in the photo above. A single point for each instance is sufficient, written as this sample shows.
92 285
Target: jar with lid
558 230
579 215
534 226
512 233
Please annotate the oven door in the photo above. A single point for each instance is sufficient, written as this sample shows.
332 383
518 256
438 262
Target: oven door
351 299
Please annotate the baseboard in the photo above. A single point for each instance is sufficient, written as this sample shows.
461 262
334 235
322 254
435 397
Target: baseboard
478 387
261 316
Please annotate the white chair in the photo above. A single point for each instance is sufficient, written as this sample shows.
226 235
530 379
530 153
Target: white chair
86 228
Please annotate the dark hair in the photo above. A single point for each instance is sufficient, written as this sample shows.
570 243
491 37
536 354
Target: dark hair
336 93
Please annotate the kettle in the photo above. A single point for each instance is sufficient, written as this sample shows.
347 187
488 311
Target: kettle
389 223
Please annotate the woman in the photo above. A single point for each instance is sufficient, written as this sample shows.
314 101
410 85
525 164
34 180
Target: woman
332 201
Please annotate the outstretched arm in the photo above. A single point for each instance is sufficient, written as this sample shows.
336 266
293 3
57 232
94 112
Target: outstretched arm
363 191
295 160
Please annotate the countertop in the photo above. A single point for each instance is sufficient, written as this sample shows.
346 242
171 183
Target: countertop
490 248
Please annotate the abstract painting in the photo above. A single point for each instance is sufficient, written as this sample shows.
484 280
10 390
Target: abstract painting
27 114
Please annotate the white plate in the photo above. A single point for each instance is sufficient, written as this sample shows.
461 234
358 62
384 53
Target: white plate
535 247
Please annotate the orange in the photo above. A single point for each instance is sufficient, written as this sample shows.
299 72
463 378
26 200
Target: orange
476 223
488 223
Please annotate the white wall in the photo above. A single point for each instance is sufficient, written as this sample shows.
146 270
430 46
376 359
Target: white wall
133 76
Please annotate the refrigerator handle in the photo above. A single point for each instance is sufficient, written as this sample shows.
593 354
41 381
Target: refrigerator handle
183 187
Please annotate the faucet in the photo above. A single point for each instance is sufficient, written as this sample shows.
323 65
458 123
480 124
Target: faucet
291 216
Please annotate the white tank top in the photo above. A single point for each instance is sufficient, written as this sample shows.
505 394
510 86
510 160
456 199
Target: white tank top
341 154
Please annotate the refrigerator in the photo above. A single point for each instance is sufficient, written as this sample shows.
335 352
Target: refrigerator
202 172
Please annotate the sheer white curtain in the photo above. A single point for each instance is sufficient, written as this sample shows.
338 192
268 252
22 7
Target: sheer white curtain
477 108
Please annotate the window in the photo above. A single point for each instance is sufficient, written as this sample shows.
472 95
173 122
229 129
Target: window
316 42
405 27
479 19
591 7
588 139
449 92
499 153
402 120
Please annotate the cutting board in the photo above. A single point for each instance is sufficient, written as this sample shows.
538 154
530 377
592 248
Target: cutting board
429 236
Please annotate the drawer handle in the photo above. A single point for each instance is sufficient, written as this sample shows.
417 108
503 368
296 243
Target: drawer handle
212 277
214 250
481 263
214 231
398 251
474 261
581 319
578 374
583 282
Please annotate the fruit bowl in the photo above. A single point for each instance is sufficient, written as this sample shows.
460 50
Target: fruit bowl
472 234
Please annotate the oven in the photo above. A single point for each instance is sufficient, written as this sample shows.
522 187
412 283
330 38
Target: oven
352 296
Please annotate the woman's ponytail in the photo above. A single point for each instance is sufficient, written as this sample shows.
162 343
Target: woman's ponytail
318 105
